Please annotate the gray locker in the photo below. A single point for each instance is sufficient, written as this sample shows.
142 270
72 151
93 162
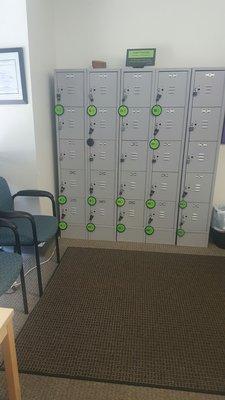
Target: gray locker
72 182
208 88
161 236
171 88
170 124
132 184
71 123
137 87
103 125
102 155
134 155
162 215
205 124
167 156
131 235
103 233
102 214
102 184
164 186
70 88
73 211
132 213
197 187
201 156
103 88
71 154
74 231
198 239
194 217
135 126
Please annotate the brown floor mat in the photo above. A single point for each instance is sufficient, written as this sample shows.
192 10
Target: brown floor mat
139 318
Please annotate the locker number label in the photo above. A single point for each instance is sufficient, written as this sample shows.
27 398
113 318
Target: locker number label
156 110
180 232
62 200
120 228
91 110
63 225
90 227
149 230
120 201
59 109
91 200
183 204
123 111
150 203
154 144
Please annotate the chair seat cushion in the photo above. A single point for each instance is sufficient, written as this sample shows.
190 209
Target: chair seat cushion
46 227
10 267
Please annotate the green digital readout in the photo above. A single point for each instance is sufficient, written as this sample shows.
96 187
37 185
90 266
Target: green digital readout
142 53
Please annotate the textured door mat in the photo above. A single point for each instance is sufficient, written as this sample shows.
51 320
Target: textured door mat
139 318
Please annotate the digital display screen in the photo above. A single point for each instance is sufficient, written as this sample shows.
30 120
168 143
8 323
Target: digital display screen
145 53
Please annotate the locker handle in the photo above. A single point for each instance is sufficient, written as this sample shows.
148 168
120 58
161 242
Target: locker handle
124 95
184 193
91 95
91 130
154 159
191 128
63 215
152 192
158 97
123 127
62 189
150 220
122 158
91 189
120 217
91 217
188 159
156 131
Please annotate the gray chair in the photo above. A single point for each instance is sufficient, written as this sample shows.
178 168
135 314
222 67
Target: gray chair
32 229
11 264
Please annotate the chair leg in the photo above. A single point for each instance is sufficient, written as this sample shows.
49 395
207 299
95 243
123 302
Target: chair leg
57 248
40 286
24 292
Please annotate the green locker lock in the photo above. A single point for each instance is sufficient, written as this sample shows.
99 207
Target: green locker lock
123 111
91 110
90 227
150 203
149 230
183 204
120 201
63 225
154 144
156 110
120 228
62 200
59 109
180 232
91 200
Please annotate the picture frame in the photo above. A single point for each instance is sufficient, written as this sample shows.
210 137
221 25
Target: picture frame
13 89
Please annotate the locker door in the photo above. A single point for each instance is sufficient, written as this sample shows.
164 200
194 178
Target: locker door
71 123
72 183
208 88
197 187
102 183
71 154
132 184
172 86
205 124
194 218
134 155
201 156
164 186
73 211
103 88
102 155
132 213
137 88
162 216
70 88
169 125
103 124
136 125
167 156
103 212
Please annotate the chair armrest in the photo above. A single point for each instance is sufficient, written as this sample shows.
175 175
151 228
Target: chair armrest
21 214
37 193
4 223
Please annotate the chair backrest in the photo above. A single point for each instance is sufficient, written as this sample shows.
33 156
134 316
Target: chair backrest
6 201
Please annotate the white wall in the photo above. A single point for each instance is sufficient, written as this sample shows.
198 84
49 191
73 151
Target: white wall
17 141
42 63
185 33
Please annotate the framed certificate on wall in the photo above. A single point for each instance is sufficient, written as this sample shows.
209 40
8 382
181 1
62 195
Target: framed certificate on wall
13 88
